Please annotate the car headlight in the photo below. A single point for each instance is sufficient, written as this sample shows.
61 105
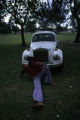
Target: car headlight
56 57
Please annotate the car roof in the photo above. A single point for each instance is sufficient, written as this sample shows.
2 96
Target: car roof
44 32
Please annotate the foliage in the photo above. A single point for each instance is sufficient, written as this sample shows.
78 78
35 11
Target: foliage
75 10
49 16
14 28
2 10
58 11
30 26
5 28
19 11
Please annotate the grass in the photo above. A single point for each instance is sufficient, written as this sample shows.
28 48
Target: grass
61 102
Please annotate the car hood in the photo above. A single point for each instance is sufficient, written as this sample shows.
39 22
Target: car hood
45 45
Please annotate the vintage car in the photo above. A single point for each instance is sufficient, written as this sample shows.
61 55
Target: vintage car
44 48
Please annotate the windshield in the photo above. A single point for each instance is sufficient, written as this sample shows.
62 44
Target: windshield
43 37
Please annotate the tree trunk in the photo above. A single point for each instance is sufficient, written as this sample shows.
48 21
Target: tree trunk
77 39
22 35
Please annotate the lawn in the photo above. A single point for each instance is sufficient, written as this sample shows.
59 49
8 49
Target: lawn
62 102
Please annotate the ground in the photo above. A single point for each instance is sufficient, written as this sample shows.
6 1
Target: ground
62 102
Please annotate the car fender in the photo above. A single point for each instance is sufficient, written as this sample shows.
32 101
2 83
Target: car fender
25 54
60 53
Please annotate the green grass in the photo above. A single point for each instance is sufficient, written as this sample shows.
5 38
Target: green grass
64 36
13 39
62 102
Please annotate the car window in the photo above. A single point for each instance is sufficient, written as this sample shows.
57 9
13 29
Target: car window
43 37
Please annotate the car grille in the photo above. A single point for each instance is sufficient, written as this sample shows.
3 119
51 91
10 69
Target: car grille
41 55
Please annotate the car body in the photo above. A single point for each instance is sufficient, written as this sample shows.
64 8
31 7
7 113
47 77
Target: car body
43 48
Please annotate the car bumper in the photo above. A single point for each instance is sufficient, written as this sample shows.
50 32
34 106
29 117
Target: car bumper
54 65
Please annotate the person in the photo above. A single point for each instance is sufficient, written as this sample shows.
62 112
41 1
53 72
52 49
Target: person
38 71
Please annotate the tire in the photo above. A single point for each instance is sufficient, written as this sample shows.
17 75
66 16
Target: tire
57 69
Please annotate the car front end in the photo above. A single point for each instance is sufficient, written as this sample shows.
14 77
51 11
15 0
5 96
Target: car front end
43 48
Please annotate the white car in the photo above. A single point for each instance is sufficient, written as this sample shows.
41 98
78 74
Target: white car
43 47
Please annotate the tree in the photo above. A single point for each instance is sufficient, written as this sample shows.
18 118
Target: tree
19 12
14 28
30 26
75 10
58 12
5 28
51 15
42 14
22 11
2 10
